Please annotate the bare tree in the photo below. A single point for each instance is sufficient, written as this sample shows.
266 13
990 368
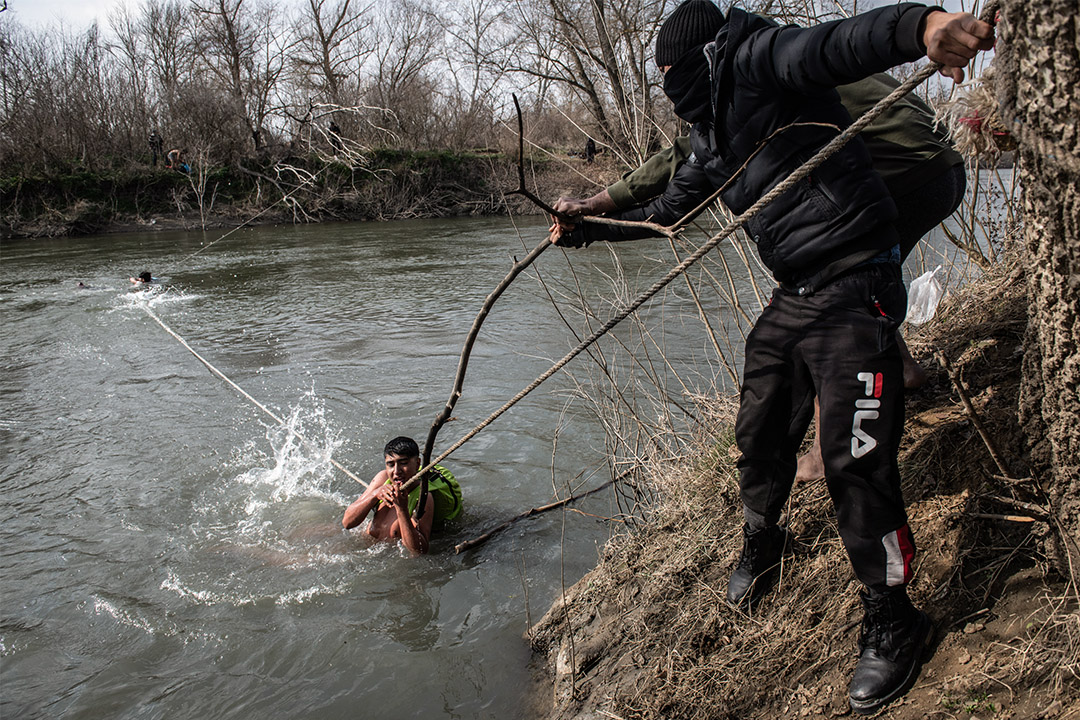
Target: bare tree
406 35
168 34
599 53
245 50
330 47
132 61
480 36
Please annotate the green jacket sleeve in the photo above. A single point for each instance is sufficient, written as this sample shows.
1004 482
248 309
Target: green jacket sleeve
649 180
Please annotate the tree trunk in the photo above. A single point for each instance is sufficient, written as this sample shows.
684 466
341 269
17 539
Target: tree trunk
1038 68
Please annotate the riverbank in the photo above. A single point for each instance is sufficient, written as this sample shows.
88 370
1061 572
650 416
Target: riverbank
647 635
390 185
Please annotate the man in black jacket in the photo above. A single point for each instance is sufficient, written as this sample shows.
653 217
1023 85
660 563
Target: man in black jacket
761 100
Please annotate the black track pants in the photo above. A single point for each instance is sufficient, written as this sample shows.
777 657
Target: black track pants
840 345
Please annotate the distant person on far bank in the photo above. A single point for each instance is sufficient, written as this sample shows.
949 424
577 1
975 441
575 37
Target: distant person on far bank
335 137
157 146
408 517
176 161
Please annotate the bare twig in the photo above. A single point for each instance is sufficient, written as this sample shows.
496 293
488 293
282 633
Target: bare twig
975 419
1008 518
469 544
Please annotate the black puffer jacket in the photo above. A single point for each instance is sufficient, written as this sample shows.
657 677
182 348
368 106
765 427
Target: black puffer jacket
768 83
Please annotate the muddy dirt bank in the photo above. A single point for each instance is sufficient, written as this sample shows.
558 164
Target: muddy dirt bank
647 635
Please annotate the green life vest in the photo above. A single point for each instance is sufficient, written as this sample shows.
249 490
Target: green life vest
443 488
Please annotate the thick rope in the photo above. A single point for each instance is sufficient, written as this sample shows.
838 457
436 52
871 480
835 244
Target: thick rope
243 392
808 167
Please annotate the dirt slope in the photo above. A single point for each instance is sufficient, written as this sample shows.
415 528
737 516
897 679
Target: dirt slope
652 638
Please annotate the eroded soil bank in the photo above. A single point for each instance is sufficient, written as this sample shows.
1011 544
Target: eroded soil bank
647 635
392 186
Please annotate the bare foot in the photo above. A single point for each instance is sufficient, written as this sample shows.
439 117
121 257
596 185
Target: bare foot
914 375
810 467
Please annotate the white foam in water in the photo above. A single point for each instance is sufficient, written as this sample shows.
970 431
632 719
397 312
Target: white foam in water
300 470
271 531
292 596
155 295
133 619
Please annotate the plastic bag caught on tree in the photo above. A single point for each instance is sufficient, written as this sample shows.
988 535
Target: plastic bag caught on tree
924 296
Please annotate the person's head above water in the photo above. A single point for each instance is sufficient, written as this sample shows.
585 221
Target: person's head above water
402 456
143 277
690 25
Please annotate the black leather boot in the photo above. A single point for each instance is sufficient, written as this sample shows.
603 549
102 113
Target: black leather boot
758 566
894 633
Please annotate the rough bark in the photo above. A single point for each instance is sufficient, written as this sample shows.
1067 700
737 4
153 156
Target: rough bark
1039 92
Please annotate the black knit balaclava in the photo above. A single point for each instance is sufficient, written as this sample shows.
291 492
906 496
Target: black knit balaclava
691 25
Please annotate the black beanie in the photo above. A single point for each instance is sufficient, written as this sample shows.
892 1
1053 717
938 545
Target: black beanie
693 23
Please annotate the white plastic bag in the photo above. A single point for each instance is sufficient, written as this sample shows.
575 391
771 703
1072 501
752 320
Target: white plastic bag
923 297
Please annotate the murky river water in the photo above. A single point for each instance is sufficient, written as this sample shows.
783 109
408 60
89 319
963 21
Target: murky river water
169 551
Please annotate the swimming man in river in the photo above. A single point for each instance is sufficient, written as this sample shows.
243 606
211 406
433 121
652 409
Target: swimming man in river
400 515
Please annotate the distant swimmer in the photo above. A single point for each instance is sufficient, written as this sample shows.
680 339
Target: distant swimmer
143 278
81 286
396 512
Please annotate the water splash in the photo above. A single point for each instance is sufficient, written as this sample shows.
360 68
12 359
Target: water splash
269 529
298 469
153 296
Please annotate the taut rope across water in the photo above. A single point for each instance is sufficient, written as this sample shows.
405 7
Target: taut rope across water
243 392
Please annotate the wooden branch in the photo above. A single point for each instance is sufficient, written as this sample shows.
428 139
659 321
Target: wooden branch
474 331
975 419
524 192
466 351
1038 511
469 544
521 189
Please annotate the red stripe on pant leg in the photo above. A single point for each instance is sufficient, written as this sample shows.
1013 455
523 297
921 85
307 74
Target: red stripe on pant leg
899 553
907 550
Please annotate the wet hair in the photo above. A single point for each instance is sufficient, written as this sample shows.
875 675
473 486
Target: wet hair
145 276
402 446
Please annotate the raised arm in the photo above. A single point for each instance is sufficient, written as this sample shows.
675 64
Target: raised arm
358 511
808 60
688 188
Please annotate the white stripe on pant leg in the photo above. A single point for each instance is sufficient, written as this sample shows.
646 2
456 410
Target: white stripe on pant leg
894 560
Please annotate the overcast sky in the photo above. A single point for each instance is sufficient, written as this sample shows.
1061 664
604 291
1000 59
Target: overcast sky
78 14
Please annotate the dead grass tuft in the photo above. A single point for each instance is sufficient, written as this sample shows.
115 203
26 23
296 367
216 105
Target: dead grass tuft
653 638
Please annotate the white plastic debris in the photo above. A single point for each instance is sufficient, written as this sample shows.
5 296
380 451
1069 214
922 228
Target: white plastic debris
923 297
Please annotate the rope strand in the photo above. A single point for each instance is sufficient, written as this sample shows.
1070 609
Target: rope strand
243 392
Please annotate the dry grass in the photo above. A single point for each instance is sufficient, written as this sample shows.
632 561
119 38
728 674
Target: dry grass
653 638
